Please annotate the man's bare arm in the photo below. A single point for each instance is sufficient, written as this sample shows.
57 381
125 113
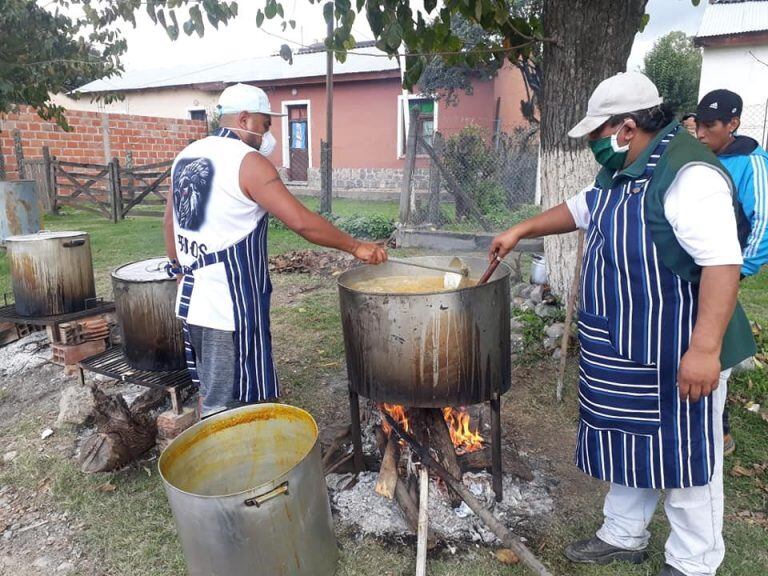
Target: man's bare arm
557 220
261 183
699 371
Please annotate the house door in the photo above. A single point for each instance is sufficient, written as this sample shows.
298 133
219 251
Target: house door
298 147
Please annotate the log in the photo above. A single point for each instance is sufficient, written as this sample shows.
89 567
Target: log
502 532
338 442
403 498
421 542
387 480
121 434
477 460
440 441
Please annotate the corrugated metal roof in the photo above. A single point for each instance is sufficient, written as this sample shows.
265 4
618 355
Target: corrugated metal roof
734 18
259 69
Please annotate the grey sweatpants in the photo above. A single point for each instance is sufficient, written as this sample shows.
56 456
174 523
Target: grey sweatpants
215 354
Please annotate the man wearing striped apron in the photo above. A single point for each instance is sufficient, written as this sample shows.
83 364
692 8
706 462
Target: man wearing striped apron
658 321
223 188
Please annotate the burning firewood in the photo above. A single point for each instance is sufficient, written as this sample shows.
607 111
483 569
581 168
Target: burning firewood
387 480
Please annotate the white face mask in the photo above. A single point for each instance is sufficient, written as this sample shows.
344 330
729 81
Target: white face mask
615 140
268 142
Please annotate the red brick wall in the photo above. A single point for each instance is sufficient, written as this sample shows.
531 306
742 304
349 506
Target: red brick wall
149 139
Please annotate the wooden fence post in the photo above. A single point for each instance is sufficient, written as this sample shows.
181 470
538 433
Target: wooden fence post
2 163
115 191
50 176
433 215
18 149
410 164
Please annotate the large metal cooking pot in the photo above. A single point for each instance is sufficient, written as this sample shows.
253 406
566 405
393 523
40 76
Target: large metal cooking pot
248 494
19 209
145 301
51 272
449 348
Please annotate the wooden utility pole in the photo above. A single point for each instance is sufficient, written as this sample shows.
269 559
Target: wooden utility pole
326 187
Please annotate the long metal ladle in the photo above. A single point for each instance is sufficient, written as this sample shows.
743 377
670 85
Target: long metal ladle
456 273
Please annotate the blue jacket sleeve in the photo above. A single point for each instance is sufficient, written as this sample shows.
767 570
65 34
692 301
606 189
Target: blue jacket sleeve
754 196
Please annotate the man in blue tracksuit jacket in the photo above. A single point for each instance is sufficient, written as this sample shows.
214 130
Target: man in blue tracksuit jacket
718 117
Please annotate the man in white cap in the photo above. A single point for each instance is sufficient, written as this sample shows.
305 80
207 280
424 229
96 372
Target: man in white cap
658 322
216 223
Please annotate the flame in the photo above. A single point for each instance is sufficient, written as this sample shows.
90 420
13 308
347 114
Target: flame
463 437
398 414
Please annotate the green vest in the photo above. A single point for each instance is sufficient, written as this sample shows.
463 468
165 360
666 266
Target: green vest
682 151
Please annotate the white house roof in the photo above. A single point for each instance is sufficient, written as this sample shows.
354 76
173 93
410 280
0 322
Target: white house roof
734 17
257 69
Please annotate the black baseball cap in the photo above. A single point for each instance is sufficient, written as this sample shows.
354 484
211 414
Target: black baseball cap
719 105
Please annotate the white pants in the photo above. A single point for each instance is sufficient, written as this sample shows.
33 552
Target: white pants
695 545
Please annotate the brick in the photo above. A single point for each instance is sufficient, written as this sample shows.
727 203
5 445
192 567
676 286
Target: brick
71 354
170 424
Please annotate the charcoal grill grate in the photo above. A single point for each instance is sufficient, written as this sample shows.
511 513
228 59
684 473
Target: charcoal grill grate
9 314
113 364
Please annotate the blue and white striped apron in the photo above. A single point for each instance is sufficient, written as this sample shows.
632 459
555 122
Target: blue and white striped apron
247 267
635 322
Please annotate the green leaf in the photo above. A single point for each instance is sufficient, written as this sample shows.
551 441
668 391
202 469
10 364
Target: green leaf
328 12
259 18
151 11
394 35
644 21
430 5
280 11
197 19
189 27
286 53
696 2
270 10
292 24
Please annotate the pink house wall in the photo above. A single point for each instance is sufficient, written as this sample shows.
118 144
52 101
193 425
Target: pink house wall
365 116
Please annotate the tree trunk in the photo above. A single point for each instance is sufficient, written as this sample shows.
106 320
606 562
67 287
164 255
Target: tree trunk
592 41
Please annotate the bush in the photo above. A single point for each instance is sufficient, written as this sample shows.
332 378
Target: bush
371 227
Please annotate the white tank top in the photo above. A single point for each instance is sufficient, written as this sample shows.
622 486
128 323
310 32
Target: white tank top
210 213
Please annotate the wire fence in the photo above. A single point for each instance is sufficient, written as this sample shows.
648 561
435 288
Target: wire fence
479 179
754 122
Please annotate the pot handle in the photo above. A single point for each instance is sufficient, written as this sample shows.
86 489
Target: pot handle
73 243
261 499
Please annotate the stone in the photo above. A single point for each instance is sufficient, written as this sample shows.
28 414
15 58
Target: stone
557 354
747 365
555 330
516 326
537 294
47 433
75 407
10 456
544 310
526 306
526 292
42 562
65 568
517 289
550 343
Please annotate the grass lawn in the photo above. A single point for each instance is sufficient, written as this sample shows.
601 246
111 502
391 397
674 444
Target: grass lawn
129 530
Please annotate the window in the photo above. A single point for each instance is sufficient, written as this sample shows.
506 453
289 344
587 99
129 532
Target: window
427 122
198 114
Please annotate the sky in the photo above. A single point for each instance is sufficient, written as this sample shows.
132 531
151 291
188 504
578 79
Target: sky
150 47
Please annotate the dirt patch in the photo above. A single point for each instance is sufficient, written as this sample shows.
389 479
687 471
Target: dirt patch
324 263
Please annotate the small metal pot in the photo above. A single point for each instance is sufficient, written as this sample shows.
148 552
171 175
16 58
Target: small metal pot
52 272
248 494
145 301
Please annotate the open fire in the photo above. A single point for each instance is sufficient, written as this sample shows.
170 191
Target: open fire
463 437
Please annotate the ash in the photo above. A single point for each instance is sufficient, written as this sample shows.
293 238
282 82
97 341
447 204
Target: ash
525 505
25 354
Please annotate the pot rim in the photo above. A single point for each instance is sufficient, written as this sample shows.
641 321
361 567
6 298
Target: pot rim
340 281
164 278
45 235
226 415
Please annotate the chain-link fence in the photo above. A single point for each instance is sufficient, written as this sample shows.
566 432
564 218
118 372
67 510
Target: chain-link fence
476 179
754 122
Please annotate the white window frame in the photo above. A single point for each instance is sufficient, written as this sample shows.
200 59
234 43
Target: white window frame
404 119
286 136
197 109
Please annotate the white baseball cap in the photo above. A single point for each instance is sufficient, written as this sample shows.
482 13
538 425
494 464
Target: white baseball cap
244 98
620 94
